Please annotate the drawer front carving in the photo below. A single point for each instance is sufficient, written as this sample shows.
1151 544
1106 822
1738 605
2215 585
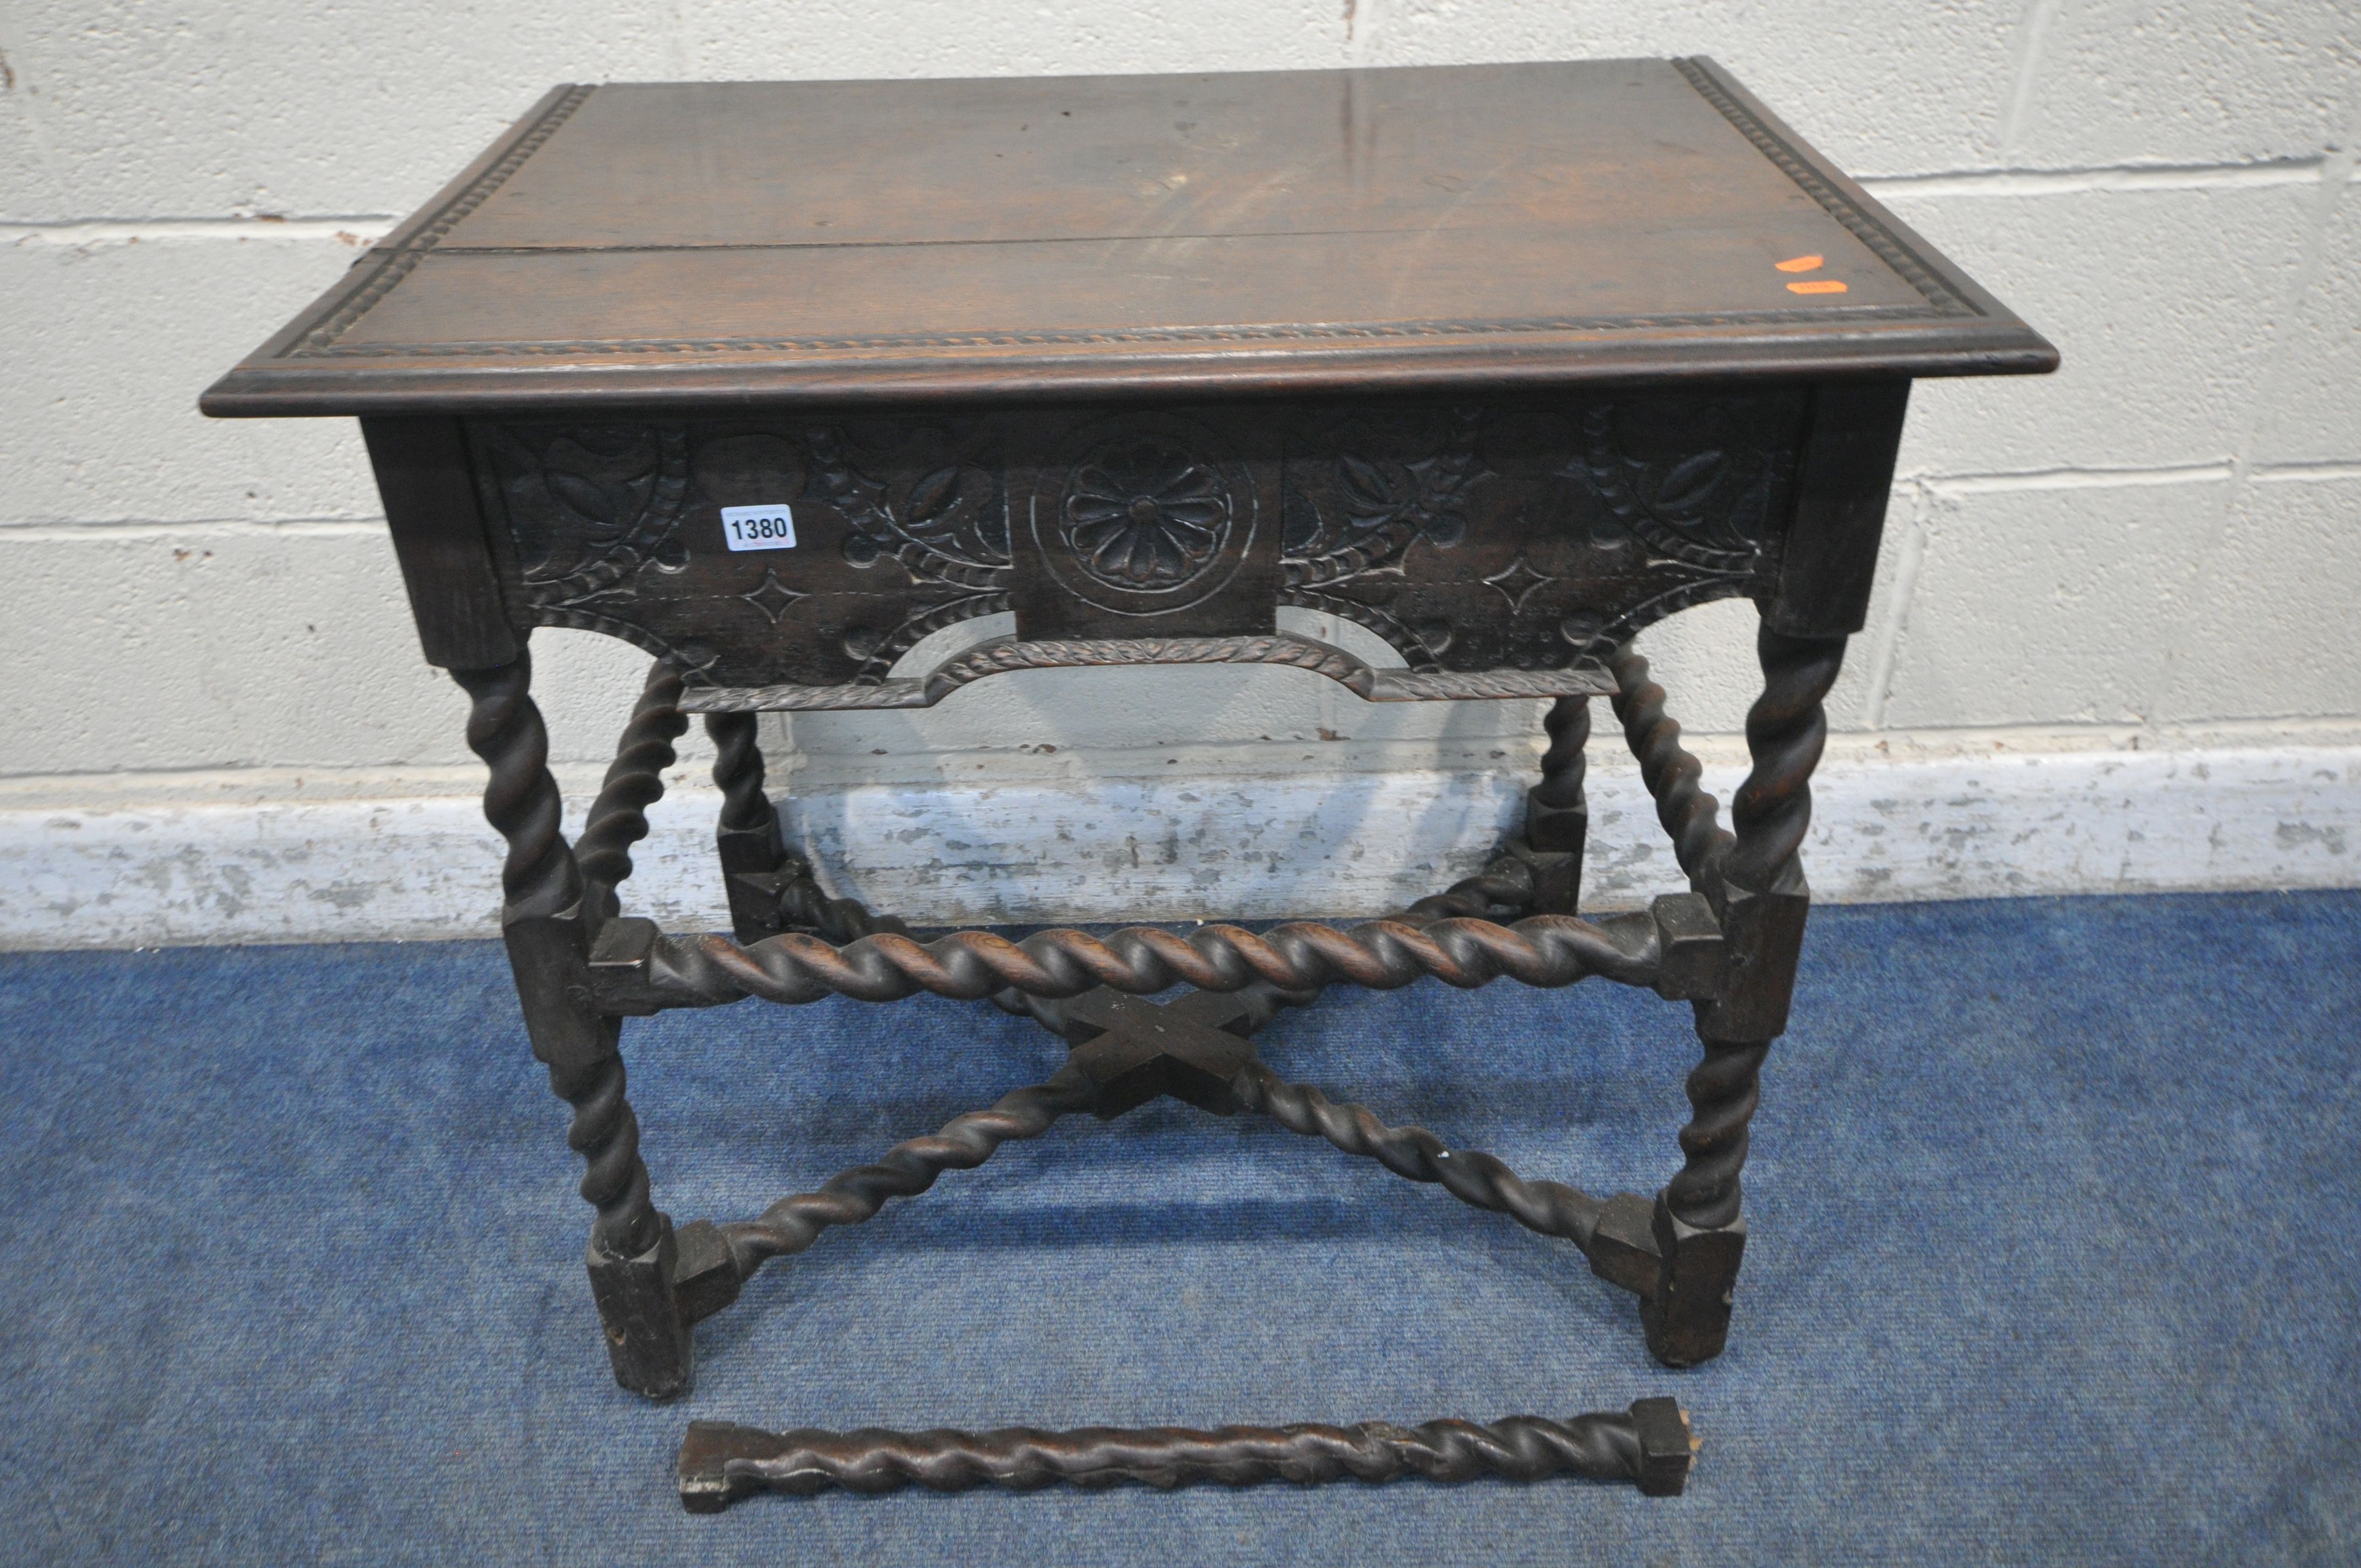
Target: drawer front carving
901 529
1499 548
1535 536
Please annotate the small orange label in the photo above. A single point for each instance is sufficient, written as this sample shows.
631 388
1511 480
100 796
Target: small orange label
1818 286
1799 263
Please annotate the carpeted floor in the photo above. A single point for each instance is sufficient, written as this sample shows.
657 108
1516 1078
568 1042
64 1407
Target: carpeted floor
2054 1259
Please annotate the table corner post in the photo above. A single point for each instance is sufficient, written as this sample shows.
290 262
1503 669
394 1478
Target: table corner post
756 863
548 921
1557 812
427 482
1698 1223
1827 560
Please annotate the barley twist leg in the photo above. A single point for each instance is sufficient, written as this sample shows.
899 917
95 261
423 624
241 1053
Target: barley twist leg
634 782
1699 1226
1763 881
1557 815
545 921
520 800
771 889
1671 774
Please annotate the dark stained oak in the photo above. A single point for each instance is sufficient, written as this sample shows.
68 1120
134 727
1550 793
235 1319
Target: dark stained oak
1299 232
1500 548
1501 363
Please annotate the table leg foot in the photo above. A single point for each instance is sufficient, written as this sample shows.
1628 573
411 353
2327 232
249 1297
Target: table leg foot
646 1332
1686 1315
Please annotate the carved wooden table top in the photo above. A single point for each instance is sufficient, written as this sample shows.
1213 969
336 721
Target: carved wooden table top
653 244
1500 362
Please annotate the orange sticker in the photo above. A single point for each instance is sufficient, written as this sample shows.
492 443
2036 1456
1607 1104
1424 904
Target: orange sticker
1799 263
1816 286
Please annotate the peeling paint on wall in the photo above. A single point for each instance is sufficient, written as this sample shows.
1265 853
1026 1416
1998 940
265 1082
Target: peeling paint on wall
1112 850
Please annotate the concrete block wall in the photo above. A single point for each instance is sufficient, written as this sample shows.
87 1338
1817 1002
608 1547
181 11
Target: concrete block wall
2114 645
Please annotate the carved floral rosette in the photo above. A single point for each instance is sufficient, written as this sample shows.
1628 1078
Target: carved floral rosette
1142 516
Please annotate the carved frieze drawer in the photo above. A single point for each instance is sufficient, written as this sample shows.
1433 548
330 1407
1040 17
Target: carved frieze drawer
1501 548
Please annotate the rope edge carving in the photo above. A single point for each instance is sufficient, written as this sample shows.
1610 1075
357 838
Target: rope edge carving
1586 676
1319 332
1907 263
399 261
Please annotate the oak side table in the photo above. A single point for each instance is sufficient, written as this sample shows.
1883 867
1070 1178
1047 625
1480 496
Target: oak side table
1503 363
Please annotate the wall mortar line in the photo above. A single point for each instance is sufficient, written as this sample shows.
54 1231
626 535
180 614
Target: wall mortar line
2076 479
51 531
2302 473
363 228
2337 170
1885 644
2125 177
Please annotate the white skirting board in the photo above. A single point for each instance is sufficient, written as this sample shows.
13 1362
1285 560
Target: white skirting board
1100 850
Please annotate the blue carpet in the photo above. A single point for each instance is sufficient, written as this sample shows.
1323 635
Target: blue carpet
2054 1258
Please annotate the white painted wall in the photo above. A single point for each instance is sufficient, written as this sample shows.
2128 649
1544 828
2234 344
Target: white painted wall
2114 645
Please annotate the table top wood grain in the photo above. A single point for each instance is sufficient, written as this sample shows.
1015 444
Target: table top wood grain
1299 233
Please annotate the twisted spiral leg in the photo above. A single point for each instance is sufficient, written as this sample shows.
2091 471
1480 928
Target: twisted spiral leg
1723 1091
784 894
720 1462
520 800
1698 1225
1672 775
1544 950
1567 724
1557 816
606 1134
543 884
738 770
792 1223
1786 730
634 782
1550 1207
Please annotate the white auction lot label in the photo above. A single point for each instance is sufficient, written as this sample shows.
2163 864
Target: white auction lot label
759 528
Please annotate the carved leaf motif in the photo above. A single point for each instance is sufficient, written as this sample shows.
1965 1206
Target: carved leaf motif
1365 481
591 503
952 515
582 496
599 475
931 495
1696 489
1415 488
1691 482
